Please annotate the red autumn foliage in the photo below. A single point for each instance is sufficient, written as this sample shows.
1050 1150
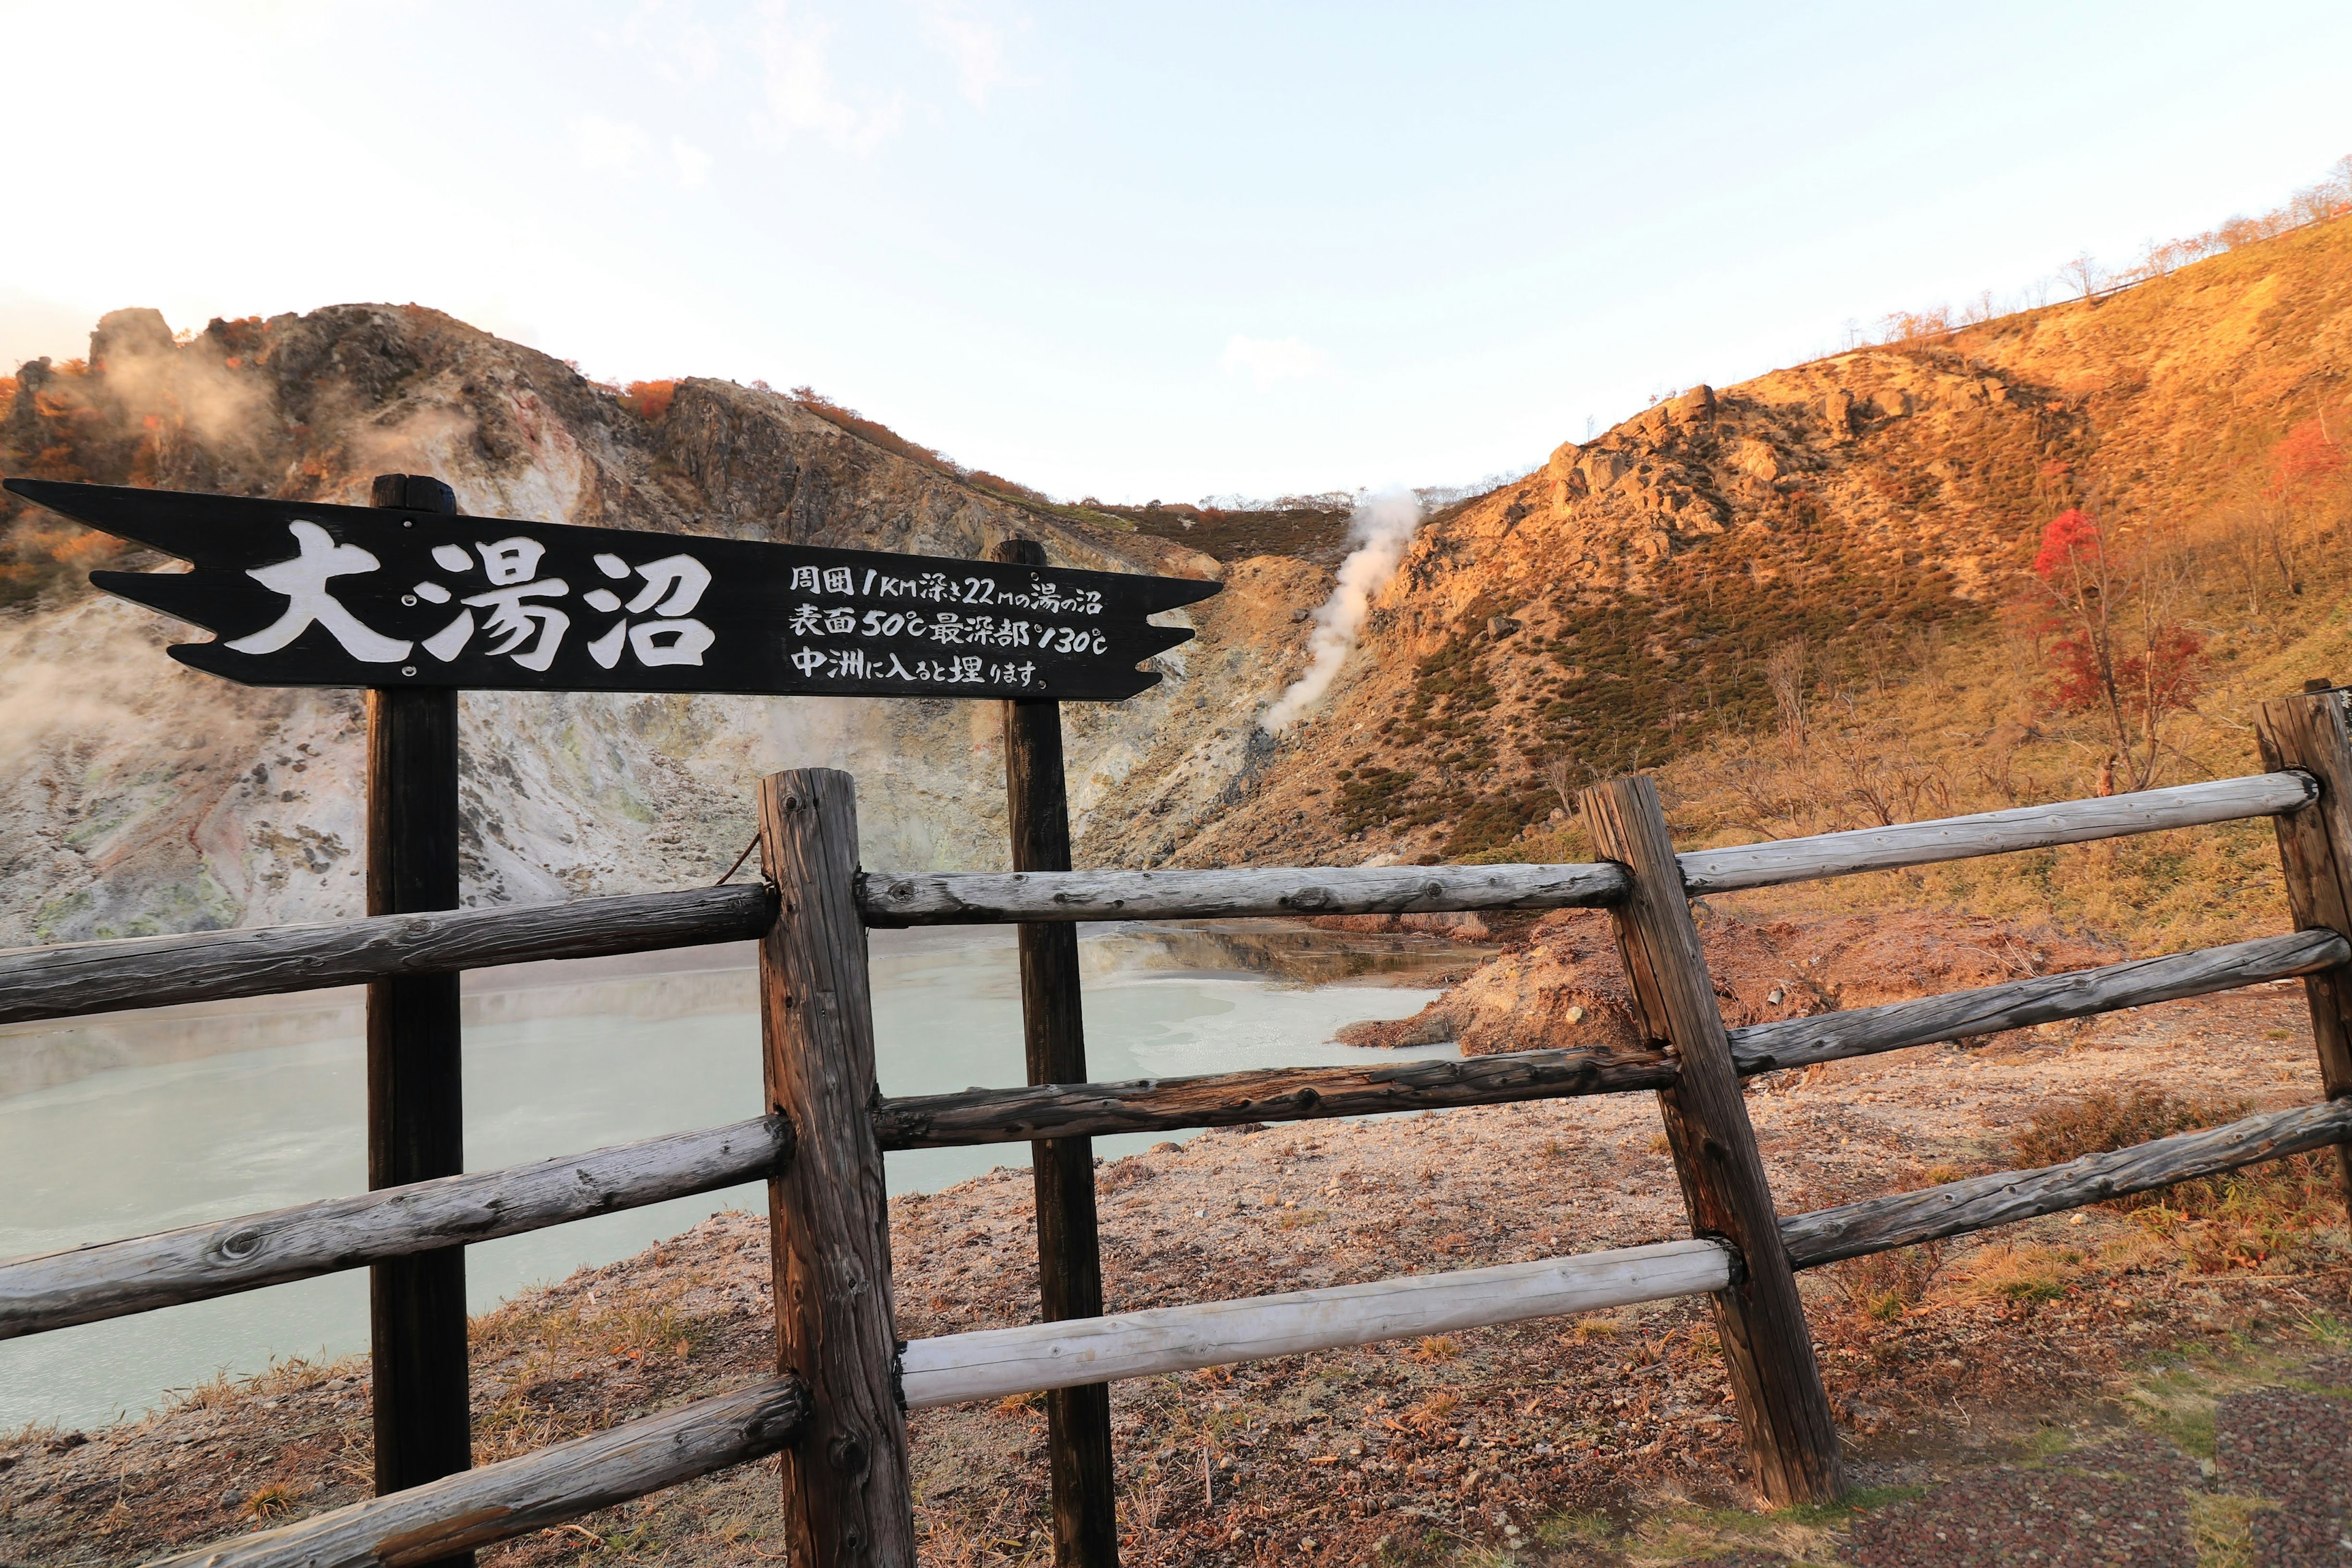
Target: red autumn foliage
2169 675
2303 459
649 399
2102 607
2072 544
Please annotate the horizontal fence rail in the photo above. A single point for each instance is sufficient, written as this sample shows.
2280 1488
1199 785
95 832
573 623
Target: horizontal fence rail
2043 999
514 1497
153 972
1297 1094
1979 1203
1266 1094
210 966
956 898
1993 832
995 1362
461 1512
143 1273
116 1279
971 898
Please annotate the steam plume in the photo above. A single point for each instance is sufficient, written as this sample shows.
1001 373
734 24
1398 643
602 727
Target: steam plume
1381 527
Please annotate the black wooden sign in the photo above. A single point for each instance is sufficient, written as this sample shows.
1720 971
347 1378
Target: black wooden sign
307 594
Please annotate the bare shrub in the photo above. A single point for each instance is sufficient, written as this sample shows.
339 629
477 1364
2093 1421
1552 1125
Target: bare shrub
2274 1211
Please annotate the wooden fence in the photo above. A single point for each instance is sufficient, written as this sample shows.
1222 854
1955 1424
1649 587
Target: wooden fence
836 1410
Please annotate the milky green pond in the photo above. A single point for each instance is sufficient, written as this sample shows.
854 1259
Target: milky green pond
134 1122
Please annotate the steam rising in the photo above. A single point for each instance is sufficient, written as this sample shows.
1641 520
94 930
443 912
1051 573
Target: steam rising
1381 527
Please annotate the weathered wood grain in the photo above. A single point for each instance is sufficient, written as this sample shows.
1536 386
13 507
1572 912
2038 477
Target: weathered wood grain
1993 833
502 1500
210 966
995 1362
1083 1489
1767 1350
2046 998
2315 846
517 1495
1295 1094
116 1279
848 1492
1267 1094
417 1366
974 898
1979 1203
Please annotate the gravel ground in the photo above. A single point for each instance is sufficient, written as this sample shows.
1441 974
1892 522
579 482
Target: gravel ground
2055 1388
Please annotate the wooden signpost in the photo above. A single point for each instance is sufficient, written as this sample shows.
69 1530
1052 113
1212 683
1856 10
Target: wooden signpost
1069 1250
408 595
415 602
416 1121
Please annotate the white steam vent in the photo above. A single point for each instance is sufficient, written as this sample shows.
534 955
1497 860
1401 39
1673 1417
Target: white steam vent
1381 527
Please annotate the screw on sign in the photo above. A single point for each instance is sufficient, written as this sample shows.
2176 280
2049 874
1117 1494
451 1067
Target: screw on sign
309 595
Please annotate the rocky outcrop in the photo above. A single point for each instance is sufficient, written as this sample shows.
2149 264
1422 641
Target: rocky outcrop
137 795
1622 604
1563 987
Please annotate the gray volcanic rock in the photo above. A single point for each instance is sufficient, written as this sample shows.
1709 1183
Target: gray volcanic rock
137 795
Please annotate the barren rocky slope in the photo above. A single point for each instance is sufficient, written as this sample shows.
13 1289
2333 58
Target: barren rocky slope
1620 606
138 796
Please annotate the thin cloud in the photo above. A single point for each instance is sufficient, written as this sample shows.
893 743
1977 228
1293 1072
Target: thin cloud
801 94
693 163
1270 360
976 47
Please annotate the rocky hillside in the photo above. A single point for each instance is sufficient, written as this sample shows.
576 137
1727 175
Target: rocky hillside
138 796
1846 530
1625 605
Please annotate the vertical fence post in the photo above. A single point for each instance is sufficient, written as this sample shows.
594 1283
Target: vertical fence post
1784 1412
415 1118
1069 1255
848 1496
2309 731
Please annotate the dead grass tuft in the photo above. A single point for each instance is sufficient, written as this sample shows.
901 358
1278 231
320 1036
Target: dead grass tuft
2019 1274
275 1500
2277 1212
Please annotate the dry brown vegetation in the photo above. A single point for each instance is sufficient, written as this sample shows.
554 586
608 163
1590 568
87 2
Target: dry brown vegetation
1795 599
1810 600
1603 1440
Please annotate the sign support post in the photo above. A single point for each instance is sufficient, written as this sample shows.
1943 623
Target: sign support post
415 1124
1069 1254
412 603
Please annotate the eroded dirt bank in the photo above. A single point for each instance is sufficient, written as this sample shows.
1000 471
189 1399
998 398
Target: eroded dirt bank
2094 1388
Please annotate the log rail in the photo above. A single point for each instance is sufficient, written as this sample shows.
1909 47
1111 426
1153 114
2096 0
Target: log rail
434 1521
54 1290
81 978
500 1501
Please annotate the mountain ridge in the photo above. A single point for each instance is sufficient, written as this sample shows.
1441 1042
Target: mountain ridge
1635 602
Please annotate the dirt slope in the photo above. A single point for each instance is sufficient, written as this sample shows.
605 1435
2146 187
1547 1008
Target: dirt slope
1620 606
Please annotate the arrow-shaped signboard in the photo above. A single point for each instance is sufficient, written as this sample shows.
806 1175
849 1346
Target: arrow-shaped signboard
307 594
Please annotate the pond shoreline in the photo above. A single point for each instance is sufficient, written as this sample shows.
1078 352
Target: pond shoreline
240 1107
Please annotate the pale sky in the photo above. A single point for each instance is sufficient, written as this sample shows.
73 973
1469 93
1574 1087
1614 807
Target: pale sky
1141 251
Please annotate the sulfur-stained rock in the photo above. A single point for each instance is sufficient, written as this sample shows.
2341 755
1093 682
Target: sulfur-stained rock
1602 469
1692 407
1837 413
1757 459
